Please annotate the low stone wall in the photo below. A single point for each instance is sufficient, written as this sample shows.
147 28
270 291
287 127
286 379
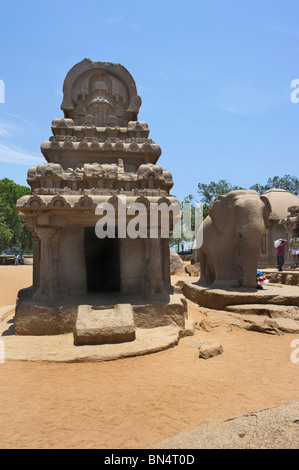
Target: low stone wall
290 278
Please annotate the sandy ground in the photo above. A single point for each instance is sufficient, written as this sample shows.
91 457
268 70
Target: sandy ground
137 402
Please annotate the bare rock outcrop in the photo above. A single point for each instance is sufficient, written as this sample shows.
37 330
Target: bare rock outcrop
177 266
274 428
193 269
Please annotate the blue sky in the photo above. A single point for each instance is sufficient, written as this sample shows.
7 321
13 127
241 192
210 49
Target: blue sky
214 77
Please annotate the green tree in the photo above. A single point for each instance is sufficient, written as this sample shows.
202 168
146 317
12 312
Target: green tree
5 235
177 242
286 182
208 192
188 205
10 192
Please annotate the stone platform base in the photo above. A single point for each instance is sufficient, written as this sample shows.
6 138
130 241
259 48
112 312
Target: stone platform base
97 332
36 319
61 348
219 299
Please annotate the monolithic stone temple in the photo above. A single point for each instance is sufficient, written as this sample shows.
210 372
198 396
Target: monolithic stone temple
99 153
280 224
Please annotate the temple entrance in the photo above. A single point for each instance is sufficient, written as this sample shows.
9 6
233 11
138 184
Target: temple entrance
102 262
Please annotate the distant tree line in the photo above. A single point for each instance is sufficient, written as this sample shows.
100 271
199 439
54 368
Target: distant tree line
13 230
208 192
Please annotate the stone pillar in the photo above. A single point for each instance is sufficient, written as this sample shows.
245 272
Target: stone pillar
166 262
156 285
71 263
46 287
36 260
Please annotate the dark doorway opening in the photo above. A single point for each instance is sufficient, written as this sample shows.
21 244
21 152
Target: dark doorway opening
102 262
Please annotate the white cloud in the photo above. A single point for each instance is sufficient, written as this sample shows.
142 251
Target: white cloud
248 100
17 156
19 116
7 129
145 90
3 130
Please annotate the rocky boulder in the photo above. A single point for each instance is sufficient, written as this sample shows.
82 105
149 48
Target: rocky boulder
193 269
210 349
177 265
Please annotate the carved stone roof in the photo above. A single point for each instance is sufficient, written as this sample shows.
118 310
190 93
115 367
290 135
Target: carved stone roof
280 201
99 146
100 89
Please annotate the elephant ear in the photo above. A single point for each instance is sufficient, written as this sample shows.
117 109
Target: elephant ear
216 212
267 208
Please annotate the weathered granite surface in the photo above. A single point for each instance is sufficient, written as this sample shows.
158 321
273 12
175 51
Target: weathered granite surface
274 428
274 310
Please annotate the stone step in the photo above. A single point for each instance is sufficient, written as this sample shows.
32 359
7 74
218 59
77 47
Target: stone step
260 323
113 325
270 310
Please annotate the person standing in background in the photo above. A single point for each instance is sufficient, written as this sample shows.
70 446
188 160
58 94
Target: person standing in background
281 254
294 248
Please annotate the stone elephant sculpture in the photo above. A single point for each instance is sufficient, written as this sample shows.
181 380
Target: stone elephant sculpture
231 239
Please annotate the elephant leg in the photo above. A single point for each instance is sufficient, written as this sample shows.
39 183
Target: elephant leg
250 268
201 260
207 273
226 274
210 274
